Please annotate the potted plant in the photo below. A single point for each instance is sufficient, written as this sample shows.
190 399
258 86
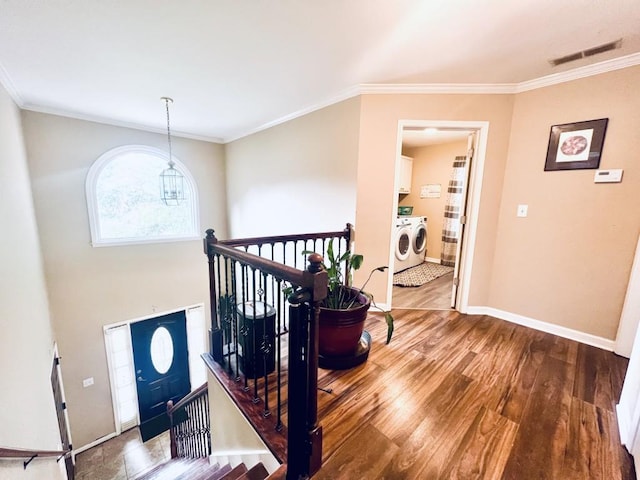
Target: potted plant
344 311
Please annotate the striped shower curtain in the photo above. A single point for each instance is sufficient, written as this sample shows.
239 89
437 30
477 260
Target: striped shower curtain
451 226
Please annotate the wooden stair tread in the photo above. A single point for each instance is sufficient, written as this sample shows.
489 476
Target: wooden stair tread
257 472
218 474
183 469
236 472
279 474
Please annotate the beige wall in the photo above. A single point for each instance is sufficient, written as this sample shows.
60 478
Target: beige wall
568 262
91 287
296 177
376 169
27 415
432 164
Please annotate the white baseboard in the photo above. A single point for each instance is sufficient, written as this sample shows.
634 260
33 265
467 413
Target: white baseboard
100 440
433 260
582 337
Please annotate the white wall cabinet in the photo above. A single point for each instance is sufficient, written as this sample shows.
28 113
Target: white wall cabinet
406 171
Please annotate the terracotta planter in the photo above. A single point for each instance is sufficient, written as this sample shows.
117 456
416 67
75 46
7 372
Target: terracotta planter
340 330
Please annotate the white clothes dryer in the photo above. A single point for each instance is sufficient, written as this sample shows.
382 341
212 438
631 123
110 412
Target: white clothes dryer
418 240
402 244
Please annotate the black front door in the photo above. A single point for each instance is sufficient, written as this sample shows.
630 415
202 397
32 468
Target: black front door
161 362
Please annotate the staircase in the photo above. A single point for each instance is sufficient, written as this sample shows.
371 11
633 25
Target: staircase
200 469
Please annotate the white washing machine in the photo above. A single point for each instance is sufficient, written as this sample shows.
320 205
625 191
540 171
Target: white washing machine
410 242
418 240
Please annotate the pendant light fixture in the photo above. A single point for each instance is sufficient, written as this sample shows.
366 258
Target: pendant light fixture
171 180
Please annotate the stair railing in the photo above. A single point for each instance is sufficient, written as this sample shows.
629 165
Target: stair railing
264 335
30 455
189 425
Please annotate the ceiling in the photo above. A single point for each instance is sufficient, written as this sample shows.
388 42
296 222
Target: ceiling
234 67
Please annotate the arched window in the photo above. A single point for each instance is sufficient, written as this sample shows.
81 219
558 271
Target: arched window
123 198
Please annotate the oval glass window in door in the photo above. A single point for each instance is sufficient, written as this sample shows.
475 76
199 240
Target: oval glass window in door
161 350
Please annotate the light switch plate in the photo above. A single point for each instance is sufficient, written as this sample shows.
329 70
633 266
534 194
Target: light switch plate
613 175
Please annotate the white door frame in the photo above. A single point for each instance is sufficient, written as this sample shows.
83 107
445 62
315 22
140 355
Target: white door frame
473 202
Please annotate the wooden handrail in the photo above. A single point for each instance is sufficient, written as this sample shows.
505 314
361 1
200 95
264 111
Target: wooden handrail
7 453
246 242
301 278
22 453
187 398
289 274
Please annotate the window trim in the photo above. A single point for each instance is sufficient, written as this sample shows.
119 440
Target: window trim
92 207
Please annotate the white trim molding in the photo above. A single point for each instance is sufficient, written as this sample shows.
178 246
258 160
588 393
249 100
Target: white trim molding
580 72
339 97
433 259
431 88
576 335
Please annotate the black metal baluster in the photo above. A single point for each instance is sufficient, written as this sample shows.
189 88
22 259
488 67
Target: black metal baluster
226 321
196 430
243 329
234 316
254 360
279 358
266 347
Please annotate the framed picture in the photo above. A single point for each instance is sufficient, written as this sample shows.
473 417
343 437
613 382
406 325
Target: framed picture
574 146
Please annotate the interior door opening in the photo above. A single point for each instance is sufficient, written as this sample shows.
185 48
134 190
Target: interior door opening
153 360
438 173
161 363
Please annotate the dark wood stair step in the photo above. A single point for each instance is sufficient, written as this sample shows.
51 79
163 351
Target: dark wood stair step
257 472
217 474
174 469
235 473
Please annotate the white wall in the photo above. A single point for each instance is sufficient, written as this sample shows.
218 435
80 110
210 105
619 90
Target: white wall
91 287
298 177
27 415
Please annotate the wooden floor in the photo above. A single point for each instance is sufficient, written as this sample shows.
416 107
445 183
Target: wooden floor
434 295
466 397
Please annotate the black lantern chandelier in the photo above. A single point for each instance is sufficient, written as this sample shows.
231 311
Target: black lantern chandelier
171 180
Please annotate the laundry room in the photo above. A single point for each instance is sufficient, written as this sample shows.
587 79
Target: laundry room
432 188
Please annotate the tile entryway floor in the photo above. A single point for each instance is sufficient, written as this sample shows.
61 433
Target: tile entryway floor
122 457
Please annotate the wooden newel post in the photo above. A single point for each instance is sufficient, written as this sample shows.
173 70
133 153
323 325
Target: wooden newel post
320 283
172 433
215 332
304 448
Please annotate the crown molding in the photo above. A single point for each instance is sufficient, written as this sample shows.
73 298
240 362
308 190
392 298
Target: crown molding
344 95
456 88
117 123
580 72
442 88
7 83
362 89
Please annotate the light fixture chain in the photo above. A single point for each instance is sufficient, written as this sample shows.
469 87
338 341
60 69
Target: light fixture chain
166 101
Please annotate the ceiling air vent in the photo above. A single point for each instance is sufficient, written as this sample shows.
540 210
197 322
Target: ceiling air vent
586 53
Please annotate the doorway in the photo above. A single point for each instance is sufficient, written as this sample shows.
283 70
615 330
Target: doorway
446 160
136 382
161 363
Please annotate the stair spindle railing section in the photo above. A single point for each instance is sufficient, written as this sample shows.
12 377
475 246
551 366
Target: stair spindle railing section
189 425
264 324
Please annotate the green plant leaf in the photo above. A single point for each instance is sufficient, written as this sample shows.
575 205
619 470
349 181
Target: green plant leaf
356 261
389 318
